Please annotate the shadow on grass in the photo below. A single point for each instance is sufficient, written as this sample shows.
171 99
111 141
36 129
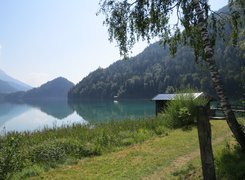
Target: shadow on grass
230 163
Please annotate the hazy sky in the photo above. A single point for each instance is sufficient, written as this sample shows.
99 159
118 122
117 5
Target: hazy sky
44 39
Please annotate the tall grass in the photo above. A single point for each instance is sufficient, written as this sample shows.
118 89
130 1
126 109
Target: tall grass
25 154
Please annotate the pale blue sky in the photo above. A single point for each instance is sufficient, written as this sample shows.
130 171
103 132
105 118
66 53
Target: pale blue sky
44 39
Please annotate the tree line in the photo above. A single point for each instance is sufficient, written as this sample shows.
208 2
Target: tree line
154 71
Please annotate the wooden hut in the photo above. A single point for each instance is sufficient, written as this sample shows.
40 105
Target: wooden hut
161 100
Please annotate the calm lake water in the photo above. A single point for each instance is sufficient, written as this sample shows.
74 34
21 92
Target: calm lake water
36 116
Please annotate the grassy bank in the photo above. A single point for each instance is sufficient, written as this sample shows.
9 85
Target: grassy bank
125 149
31 153
166 157
175 156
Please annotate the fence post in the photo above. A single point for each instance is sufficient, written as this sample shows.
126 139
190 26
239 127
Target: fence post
204 135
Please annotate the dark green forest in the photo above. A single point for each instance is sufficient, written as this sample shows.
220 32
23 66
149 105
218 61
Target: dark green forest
153 71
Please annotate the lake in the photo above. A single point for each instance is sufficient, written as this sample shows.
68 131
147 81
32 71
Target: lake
37 115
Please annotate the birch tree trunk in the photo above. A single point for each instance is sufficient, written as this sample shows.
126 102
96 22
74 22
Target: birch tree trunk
235 127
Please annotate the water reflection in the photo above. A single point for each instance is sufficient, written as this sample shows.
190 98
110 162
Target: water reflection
98 111
36 115
9 111
56 108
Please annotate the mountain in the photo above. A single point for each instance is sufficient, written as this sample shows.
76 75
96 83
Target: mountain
14 83
153 71
6 88
55 89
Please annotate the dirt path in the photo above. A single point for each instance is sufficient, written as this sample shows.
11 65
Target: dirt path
181 161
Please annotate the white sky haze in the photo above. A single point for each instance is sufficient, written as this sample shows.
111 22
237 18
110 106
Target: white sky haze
44 39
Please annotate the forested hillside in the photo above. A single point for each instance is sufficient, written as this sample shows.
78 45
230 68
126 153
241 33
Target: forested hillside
154 71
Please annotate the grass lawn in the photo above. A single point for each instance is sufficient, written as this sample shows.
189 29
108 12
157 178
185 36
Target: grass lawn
162 157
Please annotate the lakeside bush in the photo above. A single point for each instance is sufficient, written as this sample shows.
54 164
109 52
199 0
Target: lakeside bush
182 111
11 158
26 154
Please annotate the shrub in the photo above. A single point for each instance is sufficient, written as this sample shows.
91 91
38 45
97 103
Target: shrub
182 110
11 159
230 163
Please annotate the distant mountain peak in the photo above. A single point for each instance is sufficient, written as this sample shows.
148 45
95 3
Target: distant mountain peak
58 80
52 90
16 84
6 88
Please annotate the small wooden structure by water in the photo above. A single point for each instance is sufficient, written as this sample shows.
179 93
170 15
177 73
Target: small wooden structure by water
161 100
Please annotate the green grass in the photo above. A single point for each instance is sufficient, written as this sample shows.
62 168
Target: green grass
116 150
159 157
42 150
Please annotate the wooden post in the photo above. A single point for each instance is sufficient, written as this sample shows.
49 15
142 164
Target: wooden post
204 135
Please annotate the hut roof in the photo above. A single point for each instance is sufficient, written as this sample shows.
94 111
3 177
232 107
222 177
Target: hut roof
168 97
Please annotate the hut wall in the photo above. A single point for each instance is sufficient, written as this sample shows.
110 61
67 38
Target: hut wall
160 105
